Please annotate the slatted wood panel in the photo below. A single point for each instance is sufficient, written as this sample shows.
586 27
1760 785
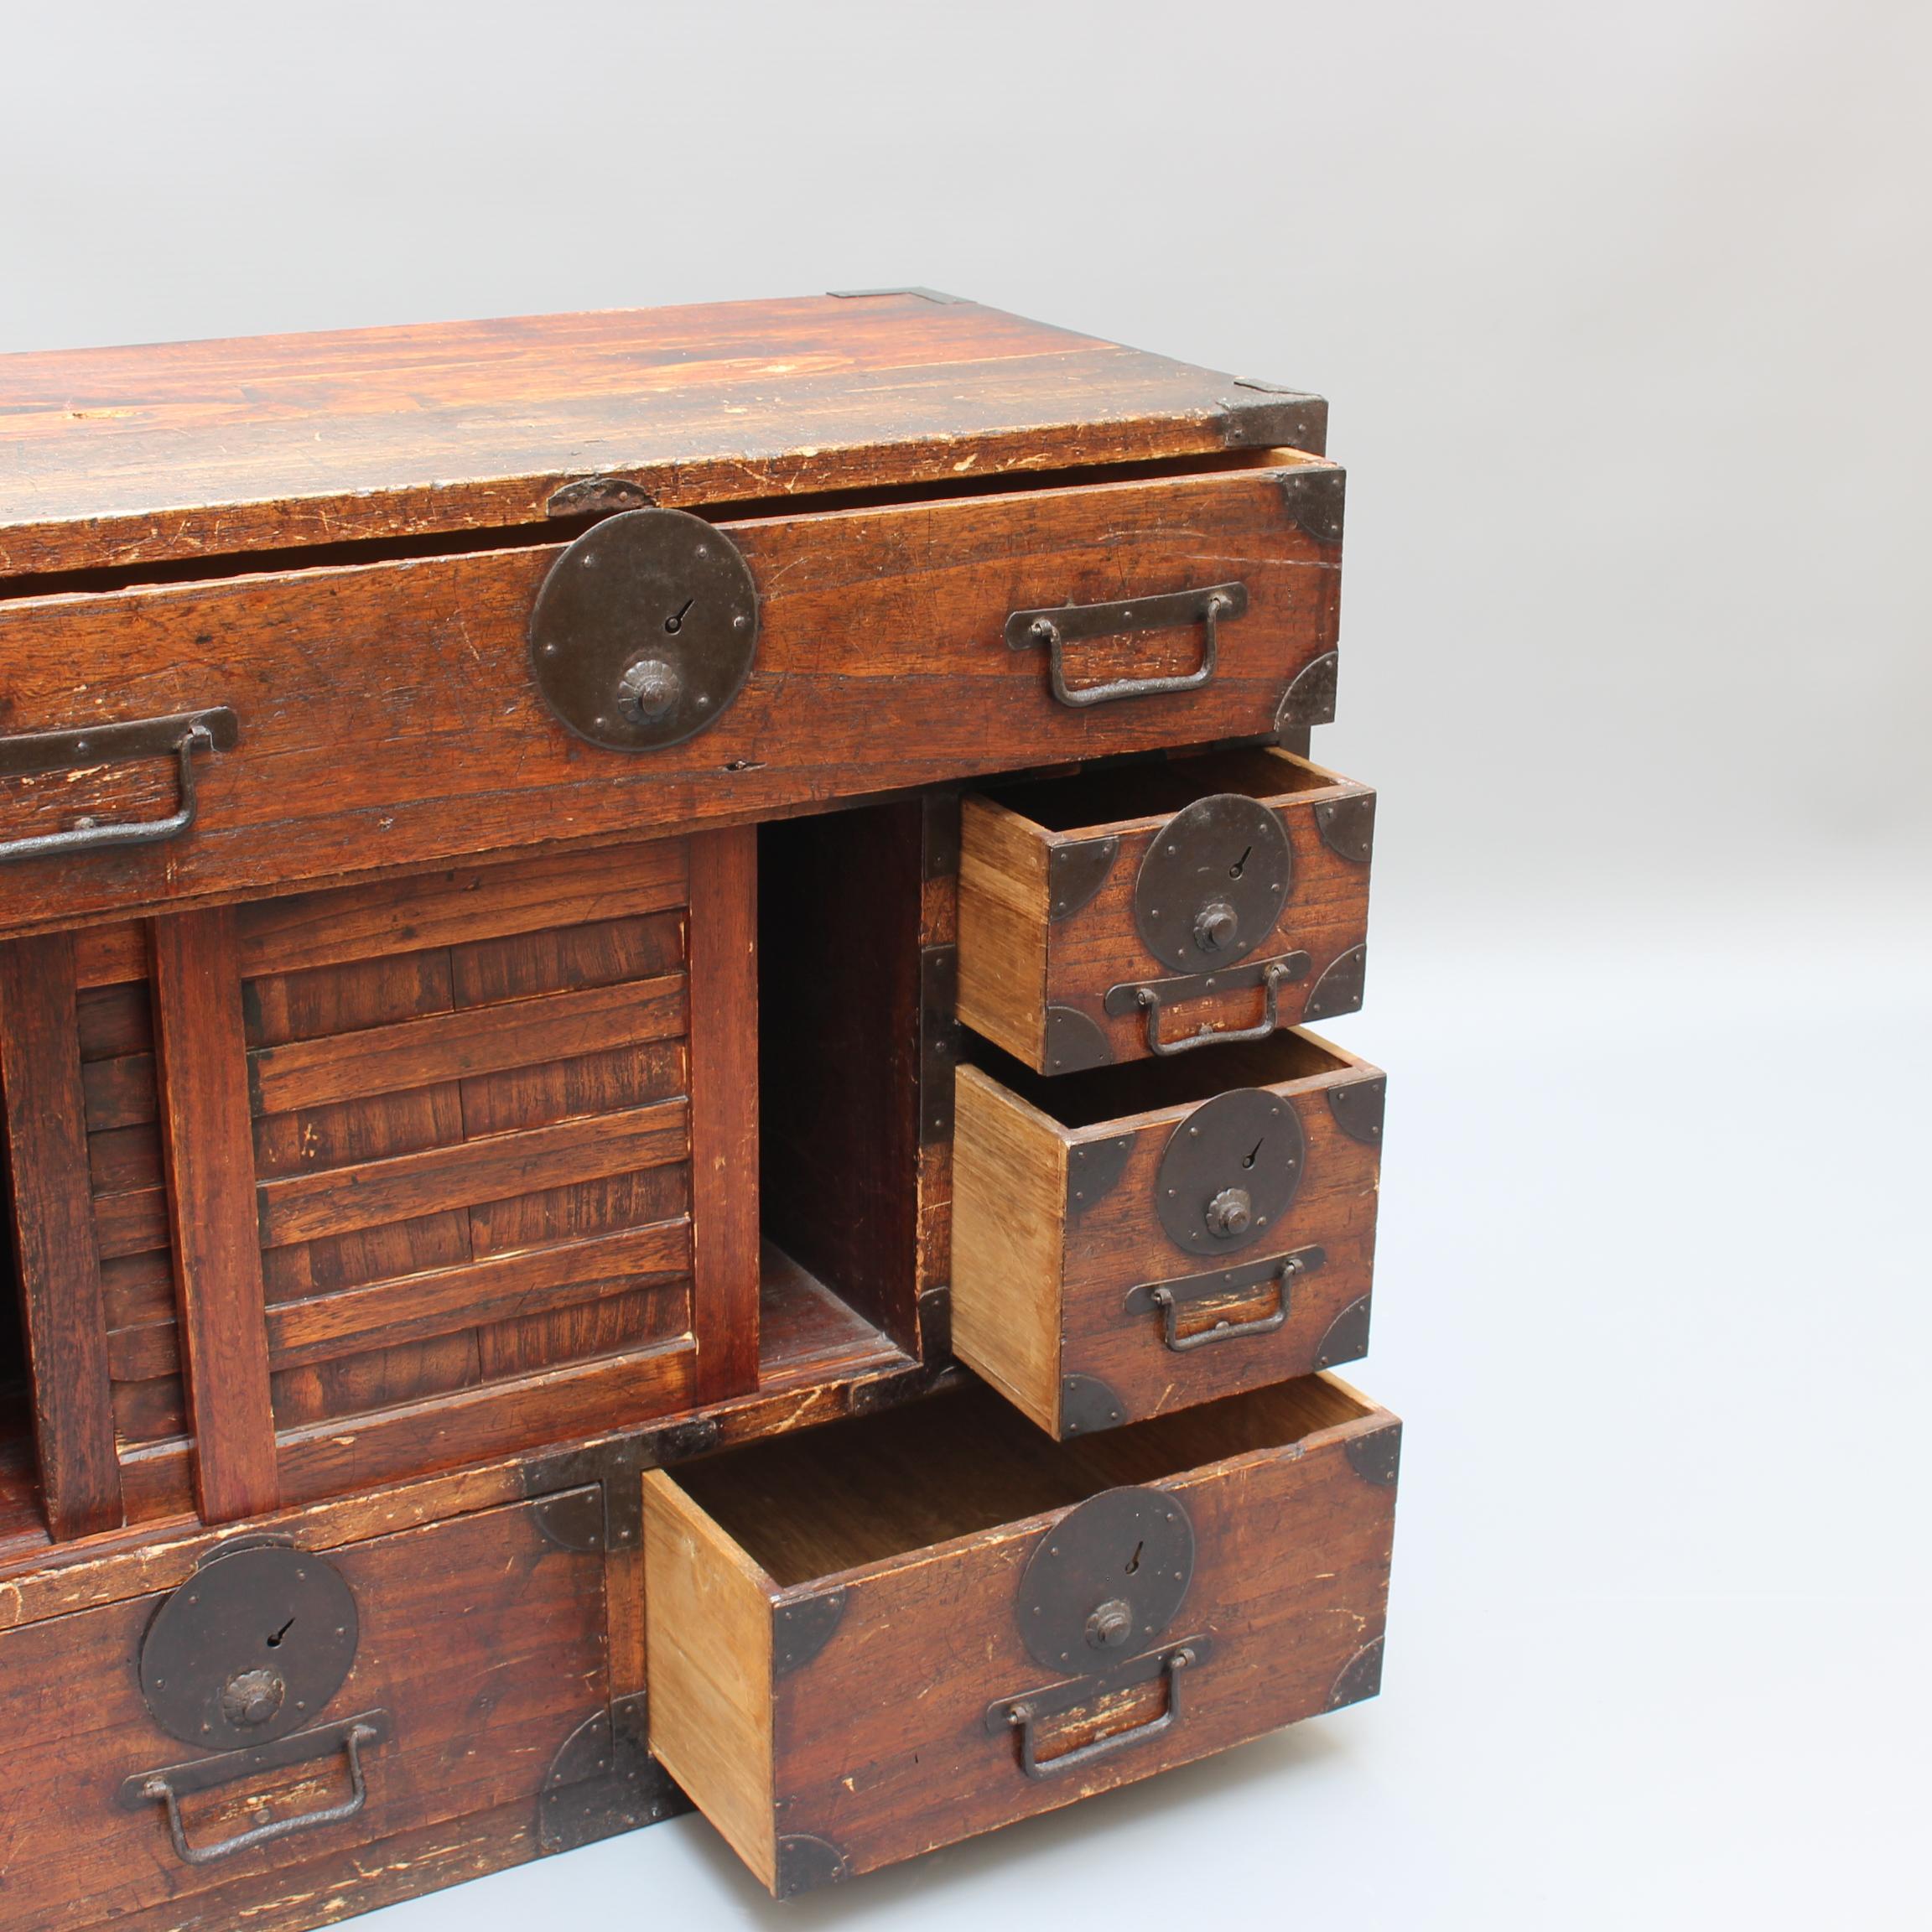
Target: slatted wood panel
472 1158
60 1279
467 1124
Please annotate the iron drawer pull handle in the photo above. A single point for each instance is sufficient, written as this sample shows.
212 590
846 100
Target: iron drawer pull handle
1021 1715
1148 998
1170 1305
180 737
1056 629
161 1789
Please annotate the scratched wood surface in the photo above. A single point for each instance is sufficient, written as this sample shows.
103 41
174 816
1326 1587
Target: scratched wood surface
882 663
1040 1276
1017 958
135 455
925 1521
473 1730
416 1159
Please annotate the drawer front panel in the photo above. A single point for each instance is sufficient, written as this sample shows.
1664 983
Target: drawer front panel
479 1651
1071 1291
909 1703
1260 928
386 715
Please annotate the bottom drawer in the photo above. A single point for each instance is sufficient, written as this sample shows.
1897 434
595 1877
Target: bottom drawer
283 1706
884 1636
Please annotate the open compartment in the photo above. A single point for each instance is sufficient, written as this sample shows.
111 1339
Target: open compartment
1149 908
871 1639
1136 1238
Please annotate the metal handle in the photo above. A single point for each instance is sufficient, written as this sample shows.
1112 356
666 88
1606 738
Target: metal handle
180 737
1171 1304
1028 630
1022 1716
1148 999
167 1787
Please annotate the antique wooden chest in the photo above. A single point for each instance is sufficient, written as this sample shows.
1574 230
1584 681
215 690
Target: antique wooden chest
654 970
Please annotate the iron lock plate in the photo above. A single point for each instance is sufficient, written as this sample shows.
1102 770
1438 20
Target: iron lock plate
1106 1580
644 631
251 1649
1229 1171
1212 883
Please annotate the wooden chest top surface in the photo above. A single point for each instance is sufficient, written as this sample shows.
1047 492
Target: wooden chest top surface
134 456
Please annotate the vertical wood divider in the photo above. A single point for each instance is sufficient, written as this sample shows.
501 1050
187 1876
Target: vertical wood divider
53 1211
724 1005
208 1142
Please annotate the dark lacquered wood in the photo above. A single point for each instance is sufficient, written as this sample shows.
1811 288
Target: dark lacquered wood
840 1053
724 1218
138 455
53 1243
209 1146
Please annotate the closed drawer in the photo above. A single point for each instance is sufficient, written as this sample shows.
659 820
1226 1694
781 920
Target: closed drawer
1153 909
389 713
445 1670
894 1634
1135 1239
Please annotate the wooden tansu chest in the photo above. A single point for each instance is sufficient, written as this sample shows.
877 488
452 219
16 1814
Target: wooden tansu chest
660 1136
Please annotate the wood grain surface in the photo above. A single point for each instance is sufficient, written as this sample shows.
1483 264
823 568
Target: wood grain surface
137 455
1021 1245
208 1145
61 1300
724 1098
881 663
925 1521
472 1733
1016 958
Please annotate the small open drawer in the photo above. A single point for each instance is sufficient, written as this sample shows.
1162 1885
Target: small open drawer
1130 1239
1150 909
874 1638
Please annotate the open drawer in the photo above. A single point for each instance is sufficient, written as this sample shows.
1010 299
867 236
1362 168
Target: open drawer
887 1635
166 741
1131 1240
1146 910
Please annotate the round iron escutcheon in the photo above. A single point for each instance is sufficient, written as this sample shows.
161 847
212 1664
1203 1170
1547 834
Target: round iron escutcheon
1212 883
644 630
251 1647
1229 1170
1106 1580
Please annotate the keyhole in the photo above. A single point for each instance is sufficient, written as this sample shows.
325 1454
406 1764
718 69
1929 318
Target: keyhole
275 1642
1133 1561
1235 870
676 624
1257 1146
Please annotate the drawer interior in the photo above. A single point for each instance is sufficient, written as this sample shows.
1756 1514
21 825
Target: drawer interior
1097 1095
884 1486
1153 789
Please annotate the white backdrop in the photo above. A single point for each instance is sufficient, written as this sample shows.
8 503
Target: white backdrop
1624 315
